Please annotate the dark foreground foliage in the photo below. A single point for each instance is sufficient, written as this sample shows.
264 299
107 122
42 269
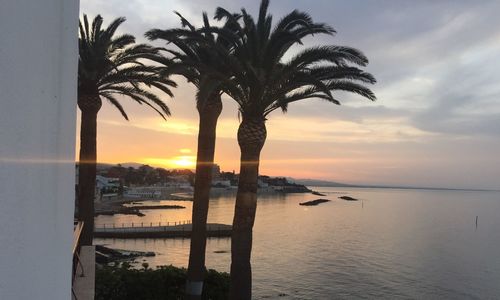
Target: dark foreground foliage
166 282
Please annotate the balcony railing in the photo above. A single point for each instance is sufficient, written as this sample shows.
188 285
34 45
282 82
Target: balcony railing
78 227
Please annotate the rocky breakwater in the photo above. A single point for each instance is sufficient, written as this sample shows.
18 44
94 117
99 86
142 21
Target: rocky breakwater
347 198
314 202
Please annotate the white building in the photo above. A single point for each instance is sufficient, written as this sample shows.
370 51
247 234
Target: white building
143 192
262 184
178 181
38 77
106 187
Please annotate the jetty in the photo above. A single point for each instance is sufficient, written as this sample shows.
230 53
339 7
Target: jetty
158 230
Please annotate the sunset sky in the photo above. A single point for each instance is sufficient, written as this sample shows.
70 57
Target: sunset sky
436 122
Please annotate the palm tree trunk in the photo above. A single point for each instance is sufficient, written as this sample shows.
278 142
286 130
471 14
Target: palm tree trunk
209 114
251 138
89 106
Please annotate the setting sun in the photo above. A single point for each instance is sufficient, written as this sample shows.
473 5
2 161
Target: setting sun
184 161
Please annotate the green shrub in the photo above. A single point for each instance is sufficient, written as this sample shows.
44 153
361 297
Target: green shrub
167 282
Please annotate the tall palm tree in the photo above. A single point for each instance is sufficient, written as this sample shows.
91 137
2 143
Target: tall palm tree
110 65
198 59
263 82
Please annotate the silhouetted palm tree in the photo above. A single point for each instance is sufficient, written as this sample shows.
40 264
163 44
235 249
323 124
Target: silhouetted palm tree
110 66
198 59
261 83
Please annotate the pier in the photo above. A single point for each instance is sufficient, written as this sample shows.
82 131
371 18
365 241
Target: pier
157 230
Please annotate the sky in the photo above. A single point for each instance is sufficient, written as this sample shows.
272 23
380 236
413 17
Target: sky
436 122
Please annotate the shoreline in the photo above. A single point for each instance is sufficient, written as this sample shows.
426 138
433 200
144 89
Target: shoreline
118 204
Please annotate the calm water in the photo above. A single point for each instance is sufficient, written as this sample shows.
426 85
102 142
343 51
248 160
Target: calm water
405 244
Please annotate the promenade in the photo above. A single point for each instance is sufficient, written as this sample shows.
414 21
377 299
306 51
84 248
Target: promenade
158 230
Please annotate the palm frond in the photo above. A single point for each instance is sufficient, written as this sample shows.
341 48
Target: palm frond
114 65
260 82
185 22
352 87
202 54
116 103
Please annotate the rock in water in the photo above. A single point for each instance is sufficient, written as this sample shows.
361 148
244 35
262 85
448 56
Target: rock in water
317 193
314 202
347 198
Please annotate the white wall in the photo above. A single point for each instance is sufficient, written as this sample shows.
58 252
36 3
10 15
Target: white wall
38 69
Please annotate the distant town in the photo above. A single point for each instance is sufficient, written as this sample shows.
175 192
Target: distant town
147 182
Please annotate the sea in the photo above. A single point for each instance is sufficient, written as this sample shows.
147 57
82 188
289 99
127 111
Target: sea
391 244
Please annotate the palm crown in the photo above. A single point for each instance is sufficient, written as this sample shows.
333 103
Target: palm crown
199 54
262 82
112 65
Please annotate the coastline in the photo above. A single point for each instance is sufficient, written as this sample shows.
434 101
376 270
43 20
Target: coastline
119 204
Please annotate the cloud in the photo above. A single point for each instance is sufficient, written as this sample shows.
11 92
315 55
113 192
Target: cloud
181 127
466 96
436 121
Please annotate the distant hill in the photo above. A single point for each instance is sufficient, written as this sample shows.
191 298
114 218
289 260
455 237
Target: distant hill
325 183
131 164
315 182
322 183
125 165
104 165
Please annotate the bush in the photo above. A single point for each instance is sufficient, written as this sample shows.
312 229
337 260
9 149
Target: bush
167 282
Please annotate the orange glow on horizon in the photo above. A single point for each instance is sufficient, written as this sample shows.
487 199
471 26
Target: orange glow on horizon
182 161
